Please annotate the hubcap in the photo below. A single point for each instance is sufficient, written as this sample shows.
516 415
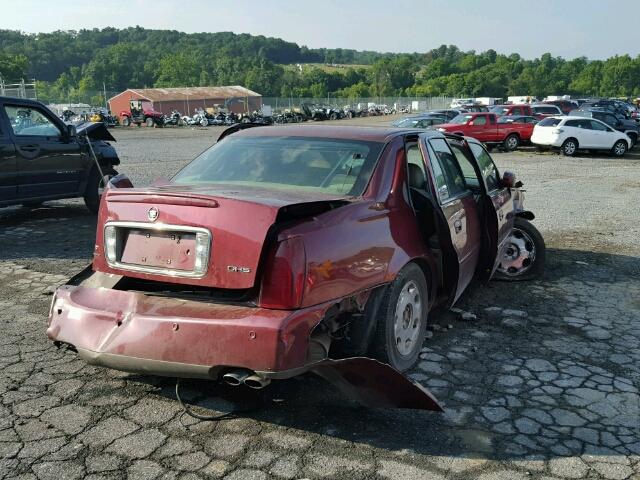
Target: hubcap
519 254
620 149
408 318
570 148
512 143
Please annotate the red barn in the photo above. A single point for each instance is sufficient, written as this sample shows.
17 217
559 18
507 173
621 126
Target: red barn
235 98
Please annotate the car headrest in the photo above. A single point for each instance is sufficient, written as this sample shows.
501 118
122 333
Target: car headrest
416 176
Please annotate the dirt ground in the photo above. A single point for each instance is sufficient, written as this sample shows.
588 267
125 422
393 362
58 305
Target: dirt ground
544 386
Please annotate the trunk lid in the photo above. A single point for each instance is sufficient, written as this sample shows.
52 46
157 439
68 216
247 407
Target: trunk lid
159 230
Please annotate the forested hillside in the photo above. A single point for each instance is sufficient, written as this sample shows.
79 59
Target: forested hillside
75 65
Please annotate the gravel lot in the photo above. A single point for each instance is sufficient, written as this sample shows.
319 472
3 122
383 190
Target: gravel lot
544 386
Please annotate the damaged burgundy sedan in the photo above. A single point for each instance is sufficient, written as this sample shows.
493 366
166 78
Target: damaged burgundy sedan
290 249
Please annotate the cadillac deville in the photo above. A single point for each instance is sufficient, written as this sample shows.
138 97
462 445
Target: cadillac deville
288 249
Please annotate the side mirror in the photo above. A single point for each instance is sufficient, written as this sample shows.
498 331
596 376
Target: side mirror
508 179
71 131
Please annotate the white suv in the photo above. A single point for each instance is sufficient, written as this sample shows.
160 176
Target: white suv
573 133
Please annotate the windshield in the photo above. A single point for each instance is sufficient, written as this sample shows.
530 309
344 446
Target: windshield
460 119
286 163
549 122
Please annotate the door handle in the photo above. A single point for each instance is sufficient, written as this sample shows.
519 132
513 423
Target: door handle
28 148
457 226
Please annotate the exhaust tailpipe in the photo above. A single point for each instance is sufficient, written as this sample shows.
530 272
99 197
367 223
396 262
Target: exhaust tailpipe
235 377
257 382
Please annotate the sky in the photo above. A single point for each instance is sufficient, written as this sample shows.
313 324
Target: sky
596 29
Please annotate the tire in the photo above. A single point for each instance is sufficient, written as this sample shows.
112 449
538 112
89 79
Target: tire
93 191
569 147
402 317
511 143
333 116
204 122
619 148
489 147
126 121
149 122
525 255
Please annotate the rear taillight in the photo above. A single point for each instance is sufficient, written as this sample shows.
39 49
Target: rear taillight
202 253
110 243
284 275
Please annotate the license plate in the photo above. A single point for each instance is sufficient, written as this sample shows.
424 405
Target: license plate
169 250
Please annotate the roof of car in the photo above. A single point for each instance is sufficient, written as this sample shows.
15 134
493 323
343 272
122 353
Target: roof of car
24 101
370 134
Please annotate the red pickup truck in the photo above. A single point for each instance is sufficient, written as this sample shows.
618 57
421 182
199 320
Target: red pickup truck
485 128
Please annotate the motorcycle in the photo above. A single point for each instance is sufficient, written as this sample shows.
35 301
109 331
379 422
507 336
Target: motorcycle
173 119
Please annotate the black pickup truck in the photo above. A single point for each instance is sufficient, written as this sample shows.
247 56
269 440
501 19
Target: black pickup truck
42 158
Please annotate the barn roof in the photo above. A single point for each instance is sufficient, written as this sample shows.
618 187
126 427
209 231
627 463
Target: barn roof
193 93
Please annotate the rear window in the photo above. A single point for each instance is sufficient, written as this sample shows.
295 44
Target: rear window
337 166
549 122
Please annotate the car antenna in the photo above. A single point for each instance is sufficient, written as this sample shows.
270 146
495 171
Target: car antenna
93 155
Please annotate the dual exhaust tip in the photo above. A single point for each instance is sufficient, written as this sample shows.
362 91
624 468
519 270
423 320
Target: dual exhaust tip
251 380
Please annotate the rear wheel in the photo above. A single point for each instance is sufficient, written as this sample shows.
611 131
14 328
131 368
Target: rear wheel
524 256
569 147
402 319
511 142
149 122
95 186
126 121
620 148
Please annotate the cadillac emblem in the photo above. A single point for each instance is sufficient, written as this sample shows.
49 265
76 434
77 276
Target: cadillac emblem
152 214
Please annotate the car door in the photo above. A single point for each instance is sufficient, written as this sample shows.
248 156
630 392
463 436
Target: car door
458 205
49 162
501 199
8 164
478 128
601 134
582 131
497 202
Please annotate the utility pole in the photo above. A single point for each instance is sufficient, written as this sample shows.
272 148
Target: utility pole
104 91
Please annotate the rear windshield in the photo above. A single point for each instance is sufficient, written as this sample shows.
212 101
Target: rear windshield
549 122
337 166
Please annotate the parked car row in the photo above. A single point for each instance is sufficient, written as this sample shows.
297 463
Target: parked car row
511 125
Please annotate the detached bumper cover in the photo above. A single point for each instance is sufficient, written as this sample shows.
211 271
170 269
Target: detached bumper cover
173 337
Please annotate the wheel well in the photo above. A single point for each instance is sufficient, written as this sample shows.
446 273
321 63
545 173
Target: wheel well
572 138
429 276
512 134
633 136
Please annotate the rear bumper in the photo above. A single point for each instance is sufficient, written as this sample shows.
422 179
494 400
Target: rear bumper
172 337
